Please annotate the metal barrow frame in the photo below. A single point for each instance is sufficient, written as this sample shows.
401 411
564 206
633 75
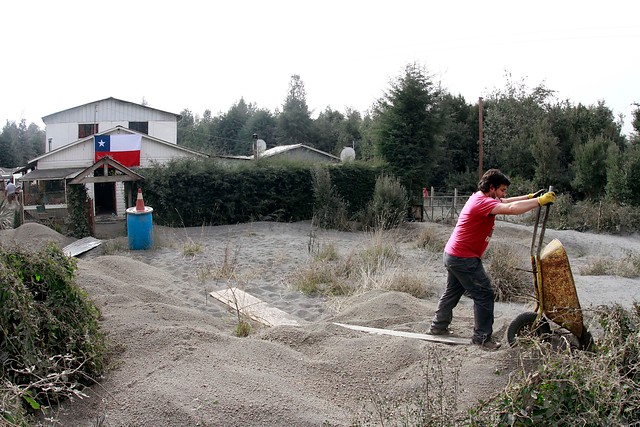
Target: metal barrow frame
555 292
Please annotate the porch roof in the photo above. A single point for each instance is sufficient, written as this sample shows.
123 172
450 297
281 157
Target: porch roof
51 174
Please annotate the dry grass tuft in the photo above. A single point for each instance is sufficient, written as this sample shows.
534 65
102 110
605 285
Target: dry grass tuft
377 266
327 253
627 266
506 271
432 403
191 248
412 285
229 264
115 246
430 240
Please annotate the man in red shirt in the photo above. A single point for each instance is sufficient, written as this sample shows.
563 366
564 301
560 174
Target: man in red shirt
464 250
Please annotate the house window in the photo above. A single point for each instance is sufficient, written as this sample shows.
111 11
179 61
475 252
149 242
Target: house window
142 127
87 129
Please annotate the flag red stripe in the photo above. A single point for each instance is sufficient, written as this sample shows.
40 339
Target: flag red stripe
126 158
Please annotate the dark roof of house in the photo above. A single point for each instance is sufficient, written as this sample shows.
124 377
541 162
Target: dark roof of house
51 174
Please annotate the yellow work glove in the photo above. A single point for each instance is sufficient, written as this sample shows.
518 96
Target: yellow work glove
547 198
536 194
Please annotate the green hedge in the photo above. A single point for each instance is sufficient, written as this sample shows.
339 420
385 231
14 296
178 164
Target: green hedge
355 182
195 192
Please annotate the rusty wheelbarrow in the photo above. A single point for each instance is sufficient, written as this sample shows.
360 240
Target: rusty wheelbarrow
555 293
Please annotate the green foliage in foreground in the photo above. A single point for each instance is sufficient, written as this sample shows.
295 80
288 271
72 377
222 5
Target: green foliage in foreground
50 343
600 388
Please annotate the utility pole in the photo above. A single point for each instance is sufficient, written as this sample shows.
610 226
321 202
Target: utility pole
255 146
480 160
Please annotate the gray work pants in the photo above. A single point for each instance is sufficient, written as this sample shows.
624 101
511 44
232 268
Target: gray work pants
466 274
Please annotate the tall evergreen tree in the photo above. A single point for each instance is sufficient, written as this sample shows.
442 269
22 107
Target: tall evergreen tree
460 145
328 126
20 143
512 115
350 131
225 130
546 153
294 122
262 123
408 128
590 167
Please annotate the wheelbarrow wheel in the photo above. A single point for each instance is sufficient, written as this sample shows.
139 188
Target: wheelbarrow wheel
525 326
586 340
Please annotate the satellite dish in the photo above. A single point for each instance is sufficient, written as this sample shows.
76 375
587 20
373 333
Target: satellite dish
260 146
348 154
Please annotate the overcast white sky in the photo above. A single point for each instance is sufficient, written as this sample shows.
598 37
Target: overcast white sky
208 54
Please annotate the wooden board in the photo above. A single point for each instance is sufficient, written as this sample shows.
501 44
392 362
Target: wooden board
445 339
81 246
253 307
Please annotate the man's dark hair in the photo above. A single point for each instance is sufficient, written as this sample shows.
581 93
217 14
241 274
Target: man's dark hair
492 177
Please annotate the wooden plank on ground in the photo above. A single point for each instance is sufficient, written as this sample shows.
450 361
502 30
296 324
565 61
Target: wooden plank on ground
426 337
81 246
253 307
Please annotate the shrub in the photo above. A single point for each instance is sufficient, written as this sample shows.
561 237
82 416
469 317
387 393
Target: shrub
594 216
389 205
355 183
600 388
329 209
50 341
77 209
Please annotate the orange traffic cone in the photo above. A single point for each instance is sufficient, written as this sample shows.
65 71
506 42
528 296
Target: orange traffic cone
140 201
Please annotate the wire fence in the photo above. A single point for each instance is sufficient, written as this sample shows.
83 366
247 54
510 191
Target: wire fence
445 207
441 207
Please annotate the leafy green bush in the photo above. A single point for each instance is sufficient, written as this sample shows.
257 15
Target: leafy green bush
329 209
600 388
355 183
77 207
389 205
50 341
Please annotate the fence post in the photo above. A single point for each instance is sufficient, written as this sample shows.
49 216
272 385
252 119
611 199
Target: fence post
454 214
433 193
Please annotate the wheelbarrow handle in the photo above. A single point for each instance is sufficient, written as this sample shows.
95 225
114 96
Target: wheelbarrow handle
544 224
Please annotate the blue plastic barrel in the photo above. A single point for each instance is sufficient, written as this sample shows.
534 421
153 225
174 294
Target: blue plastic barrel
140 228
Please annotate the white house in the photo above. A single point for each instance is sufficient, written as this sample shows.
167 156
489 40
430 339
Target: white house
67 126
154 135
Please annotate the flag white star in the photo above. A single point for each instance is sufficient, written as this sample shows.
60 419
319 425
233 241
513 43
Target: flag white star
101 143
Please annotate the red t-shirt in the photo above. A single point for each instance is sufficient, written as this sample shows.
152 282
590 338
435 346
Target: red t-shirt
471 236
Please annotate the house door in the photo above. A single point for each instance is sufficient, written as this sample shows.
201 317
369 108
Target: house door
105 197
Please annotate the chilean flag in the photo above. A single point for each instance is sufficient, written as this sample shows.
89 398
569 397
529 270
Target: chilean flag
124 149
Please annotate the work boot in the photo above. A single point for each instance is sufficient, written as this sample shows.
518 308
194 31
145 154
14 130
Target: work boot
489 344
436 331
